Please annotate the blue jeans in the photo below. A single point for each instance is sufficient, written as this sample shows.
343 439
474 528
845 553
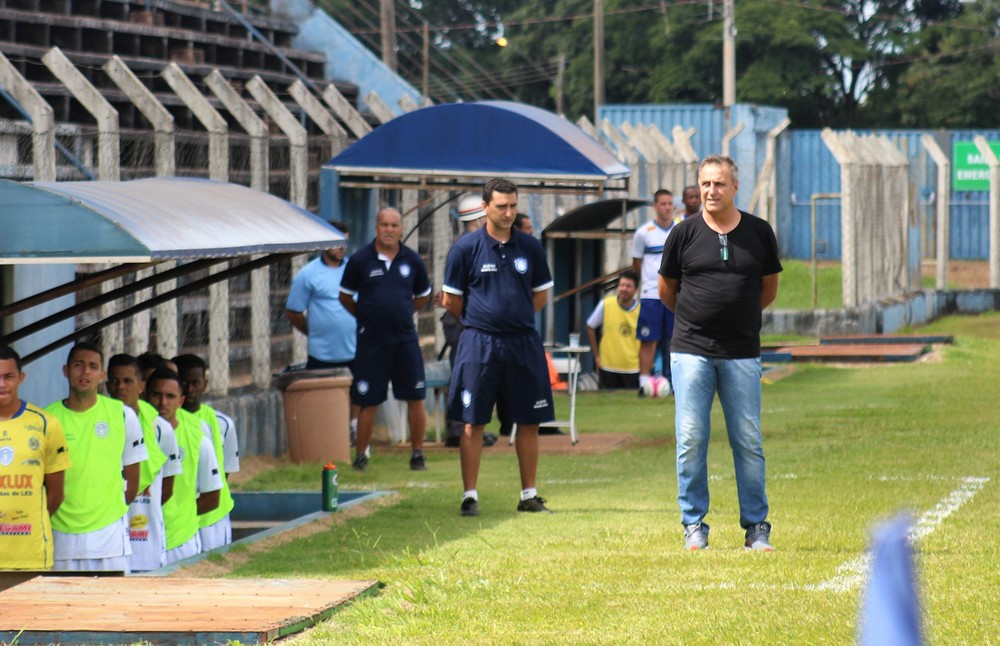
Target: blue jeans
696 380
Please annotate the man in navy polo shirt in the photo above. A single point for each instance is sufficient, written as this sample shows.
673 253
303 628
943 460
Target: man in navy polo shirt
390 283
496 279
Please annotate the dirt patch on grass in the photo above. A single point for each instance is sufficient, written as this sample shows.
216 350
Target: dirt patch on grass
962 274
253 465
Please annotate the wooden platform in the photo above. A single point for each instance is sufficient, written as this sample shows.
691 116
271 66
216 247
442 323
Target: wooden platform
858 353
125 610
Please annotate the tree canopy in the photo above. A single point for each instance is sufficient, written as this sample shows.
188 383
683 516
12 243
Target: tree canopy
838 63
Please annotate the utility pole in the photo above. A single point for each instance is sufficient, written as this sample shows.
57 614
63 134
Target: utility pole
728 59
598 56
560 74
728 54
387 13
426 78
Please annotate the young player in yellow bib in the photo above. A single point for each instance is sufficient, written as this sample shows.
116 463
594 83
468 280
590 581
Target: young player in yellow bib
33 463
197 488
156 475
216 529
617 355
105 439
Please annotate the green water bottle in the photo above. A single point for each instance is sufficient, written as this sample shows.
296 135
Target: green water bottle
330 487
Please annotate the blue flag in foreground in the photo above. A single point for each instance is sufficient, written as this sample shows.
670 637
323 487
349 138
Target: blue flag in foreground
890 613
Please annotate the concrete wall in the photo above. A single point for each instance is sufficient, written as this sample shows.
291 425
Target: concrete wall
886 317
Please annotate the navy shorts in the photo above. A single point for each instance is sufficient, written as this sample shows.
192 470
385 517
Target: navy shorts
488 366
375 366
656 321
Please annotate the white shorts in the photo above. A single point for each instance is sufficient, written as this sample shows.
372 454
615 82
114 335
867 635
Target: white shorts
110 564
191 548
216 535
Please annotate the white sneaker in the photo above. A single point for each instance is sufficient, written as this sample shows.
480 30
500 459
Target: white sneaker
696 537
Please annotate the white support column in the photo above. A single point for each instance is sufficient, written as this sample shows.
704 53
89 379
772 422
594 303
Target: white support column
108 166
323 119
991 159
407 104
379 108
731 134
167 334
137 340
289 124
108 170
682 141
214 123
43 130
847 238
218 169
298 169
260 279
942 199
346 112
153 110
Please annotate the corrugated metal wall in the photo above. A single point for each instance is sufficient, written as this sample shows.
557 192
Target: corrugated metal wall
806 168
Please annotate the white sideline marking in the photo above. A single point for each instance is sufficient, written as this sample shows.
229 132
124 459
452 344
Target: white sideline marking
854 572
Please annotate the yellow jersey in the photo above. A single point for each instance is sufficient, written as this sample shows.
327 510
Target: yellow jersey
32 445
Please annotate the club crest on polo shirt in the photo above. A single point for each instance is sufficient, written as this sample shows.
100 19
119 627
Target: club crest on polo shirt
362 387
6 455
466 398
101 429
404 270
521 265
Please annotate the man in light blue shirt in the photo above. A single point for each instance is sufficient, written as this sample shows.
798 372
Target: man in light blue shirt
314 308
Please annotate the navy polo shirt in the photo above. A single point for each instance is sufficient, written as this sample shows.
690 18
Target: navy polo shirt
385 292
497 281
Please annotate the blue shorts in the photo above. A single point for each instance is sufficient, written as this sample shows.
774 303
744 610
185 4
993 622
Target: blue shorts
656 321
376 365
489 366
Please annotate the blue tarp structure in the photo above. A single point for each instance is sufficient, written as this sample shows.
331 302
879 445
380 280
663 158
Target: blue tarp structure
458 145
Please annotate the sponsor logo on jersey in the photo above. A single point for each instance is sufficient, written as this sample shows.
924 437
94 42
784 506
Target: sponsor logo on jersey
521 265
487 268
15 529
102 430
6 455
34 444
404 270
541 403
376 273
31 462
16 481
138 521
138 535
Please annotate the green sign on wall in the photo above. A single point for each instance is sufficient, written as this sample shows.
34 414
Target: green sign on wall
970 171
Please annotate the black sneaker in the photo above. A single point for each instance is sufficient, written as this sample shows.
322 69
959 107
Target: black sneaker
417 462
536 504
470 507
360 462
489 439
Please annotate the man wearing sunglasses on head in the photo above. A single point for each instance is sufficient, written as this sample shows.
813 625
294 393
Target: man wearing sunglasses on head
719 271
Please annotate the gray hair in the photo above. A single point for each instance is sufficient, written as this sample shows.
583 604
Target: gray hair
721 160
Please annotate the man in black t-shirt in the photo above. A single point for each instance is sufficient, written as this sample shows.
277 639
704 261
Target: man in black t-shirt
719 271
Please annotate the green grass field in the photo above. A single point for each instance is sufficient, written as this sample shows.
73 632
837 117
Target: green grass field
846 448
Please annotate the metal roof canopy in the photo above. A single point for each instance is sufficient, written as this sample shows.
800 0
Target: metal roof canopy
138 224
150 219
592 220
458 146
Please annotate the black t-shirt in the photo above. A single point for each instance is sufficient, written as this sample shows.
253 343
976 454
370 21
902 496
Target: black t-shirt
718 302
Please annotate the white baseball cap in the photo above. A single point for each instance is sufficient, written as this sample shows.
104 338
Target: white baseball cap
470 208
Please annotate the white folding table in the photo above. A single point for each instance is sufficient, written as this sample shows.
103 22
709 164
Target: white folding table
572 354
